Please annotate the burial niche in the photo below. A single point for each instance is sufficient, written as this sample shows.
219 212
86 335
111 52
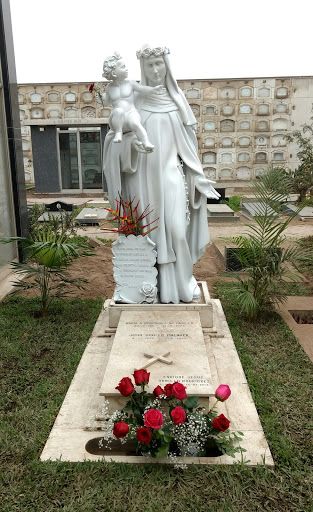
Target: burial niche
244 141
279 156
280 124
243 173
228 110
195 109
210 173
278 140
281 92
227 142
263 126
264 92
228 93
35 97
243 157
244 125
281 108
36 113
70 97
227 125
245 108
193 93
210 110
209 142
209 126
209 157
261 156
263 109
246 92
225 174
53 97
226 158
71 112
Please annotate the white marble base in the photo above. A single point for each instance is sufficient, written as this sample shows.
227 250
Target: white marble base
69 436
203 305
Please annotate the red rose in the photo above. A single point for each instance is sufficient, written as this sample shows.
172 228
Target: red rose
223 392
168 390
125 386
178 415
141 377
158 391
143 435
120 429
220 423
179 391
153 418
91 87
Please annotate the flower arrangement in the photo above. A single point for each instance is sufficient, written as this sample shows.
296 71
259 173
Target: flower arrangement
129 219
168 423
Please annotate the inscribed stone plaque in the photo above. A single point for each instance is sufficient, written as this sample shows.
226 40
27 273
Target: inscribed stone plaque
134 269
175 342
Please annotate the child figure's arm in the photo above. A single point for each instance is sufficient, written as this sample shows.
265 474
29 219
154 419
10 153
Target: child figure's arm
146 89
104 98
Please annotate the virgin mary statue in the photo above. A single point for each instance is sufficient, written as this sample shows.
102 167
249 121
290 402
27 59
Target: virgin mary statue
170 179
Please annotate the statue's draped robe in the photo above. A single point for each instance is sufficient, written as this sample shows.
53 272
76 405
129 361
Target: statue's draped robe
176 193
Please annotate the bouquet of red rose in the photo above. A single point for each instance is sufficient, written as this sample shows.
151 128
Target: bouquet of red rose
168 423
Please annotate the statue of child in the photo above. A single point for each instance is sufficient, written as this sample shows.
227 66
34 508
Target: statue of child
120 94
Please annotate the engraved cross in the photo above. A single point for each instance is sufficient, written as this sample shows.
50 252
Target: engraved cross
154 359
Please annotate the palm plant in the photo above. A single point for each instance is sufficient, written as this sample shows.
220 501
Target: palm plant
47 256
267 265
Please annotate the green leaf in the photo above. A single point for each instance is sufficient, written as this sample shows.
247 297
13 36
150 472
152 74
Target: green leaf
163 451
191 402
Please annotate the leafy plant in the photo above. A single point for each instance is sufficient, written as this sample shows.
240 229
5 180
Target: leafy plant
47 257
303 175
267 263
234 202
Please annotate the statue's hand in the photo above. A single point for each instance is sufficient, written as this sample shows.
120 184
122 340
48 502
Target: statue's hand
139 146
159 89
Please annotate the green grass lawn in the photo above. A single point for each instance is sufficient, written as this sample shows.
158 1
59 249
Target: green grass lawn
38 361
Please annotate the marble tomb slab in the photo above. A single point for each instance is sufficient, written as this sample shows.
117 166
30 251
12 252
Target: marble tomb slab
169 344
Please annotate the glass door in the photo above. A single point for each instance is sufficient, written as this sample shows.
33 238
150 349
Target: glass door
69 161
80 159
90 153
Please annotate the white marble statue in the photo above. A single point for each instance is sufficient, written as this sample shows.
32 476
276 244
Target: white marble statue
120 94
170 179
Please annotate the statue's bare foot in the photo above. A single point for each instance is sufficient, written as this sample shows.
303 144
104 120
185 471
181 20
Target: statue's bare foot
118 137
148 146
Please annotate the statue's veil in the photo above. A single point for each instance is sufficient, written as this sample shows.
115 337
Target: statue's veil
176 94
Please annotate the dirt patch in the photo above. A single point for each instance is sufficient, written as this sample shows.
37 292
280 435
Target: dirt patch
98 269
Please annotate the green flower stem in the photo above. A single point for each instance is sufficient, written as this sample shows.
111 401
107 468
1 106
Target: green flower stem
213 406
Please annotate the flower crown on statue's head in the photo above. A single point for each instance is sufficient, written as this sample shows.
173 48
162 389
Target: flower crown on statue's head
156 52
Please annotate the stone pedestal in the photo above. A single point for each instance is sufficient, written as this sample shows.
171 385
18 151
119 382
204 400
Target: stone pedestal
202 305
